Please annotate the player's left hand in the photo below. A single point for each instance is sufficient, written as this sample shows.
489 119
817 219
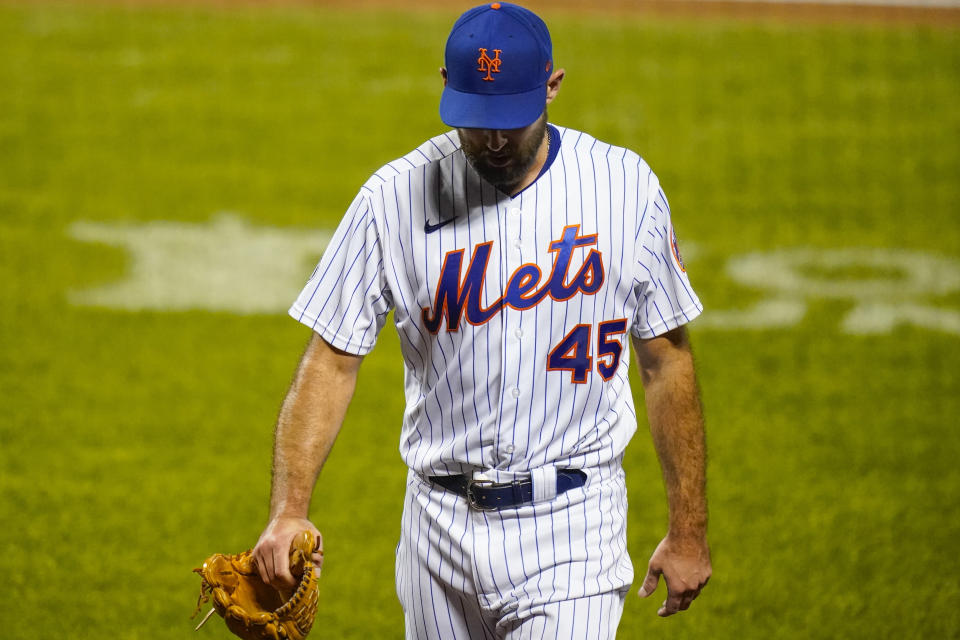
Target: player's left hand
685 566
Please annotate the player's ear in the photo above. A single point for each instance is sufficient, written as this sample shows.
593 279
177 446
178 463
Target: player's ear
553 84
443 74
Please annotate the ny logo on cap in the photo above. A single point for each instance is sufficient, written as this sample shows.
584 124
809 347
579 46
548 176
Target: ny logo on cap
488 64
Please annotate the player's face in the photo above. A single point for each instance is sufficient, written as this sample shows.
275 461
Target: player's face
504 157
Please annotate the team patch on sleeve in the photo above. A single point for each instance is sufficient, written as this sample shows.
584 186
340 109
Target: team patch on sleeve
675 250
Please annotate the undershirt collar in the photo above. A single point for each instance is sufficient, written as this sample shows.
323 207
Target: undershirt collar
553 144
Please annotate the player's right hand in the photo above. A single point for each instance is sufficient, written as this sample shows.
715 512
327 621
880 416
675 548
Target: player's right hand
272 553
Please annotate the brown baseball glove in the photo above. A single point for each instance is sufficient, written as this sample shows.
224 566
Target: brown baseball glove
253 609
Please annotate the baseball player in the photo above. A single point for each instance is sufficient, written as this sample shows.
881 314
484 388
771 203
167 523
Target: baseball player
522 261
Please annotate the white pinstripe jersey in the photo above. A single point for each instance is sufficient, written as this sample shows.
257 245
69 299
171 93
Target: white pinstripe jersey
512 312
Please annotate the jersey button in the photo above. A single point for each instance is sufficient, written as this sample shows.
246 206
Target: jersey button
515 392
517 244
518 333
509 448
515 211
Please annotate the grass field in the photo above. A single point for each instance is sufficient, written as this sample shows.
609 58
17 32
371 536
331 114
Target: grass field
135 441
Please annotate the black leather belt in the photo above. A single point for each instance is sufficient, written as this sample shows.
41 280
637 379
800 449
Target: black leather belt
486 495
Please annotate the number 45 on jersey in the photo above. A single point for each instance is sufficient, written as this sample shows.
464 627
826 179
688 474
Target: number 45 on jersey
573 353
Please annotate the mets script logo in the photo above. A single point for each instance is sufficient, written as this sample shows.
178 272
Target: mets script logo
458 297
488 64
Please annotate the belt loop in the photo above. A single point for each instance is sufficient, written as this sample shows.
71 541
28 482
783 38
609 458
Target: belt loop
544 483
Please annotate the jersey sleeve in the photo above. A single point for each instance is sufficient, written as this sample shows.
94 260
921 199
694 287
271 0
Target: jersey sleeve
666 300
346 300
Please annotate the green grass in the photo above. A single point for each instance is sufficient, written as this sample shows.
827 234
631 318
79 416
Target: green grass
134 444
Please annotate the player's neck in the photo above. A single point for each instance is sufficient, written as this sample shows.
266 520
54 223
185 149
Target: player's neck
542 153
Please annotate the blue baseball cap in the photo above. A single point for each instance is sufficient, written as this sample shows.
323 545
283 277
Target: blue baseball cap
498 59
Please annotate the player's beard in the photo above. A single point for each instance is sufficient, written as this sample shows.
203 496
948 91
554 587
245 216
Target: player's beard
522 158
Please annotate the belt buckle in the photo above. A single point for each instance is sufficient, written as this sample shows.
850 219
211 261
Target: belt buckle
471 497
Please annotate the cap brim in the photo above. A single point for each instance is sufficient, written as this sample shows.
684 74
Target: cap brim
479 111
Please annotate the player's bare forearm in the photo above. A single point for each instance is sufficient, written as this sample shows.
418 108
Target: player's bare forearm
309 421
676 424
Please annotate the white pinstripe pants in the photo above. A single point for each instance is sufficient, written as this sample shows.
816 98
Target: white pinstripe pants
557 569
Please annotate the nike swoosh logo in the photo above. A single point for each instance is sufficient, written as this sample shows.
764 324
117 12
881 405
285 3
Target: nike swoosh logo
430 228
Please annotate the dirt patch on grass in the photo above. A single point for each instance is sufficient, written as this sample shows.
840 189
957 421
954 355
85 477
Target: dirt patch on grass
813 12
